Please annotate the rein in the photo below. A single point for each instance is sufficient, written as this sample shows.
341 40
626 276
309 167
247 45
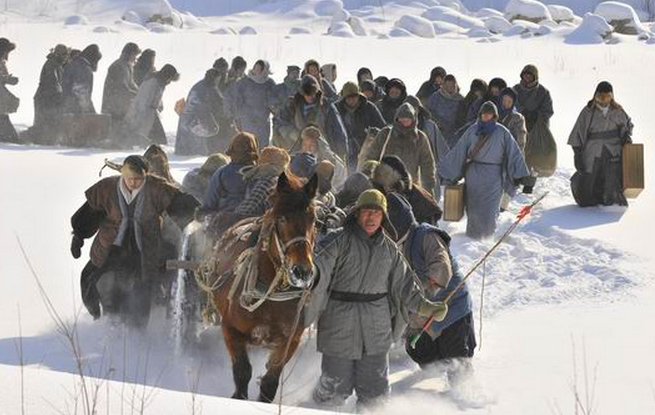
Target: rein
246 268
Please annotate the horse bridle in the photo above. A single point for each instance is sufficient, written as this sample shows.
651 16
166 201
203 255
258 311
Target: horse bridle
282 248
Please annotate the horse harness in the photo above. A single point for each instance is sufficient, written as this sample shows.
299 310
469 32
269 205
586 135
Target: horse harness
259 234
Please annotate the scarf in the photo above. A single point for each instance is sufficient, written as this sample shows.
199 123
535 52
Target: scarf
504 112
258 79
486 128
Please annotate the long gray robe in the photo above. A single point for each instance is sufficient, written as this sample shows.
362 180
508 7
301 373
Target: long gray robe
252 108
350 261
493 170
610 131
120 89
144 111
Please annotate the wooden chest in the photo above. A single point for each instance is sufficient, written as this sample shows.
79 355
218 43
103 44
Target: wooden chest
633 170
453 210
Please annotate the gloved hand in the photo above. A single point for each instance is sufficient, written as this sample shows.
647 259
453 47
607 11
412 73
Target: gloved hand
76 246
578 160
437 310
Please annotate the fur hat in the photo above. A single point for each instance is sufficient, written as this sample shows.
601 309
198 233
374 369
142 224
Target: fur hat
275 156
213 163
349 89
243 149
489 108
392 175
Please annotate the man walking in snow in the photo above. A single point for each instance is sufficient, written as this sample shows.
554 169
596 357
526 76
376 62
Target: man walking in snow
427 249
363 300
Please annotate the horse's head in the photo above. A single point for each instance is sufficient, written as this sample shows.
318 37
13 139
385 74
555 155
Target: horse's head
294 217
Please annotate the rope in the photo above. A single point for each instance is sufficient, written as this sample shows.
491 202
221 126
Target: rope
525 211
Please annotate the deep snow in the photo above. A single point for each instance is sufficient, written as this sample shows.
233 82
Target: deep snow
585 273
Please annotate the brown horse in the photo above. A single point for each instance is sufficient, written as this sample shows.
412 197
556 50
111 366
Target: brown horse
285 244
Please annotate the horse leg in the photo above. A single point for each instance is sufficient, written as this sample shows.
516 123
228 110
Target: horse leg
241 368
276 361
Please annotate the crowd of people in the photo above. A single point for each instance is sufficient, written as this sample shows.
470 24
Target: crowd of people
381 157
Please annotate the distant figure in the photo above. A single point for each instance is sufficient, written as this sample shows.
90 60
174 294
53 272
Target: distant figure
490 160
196 181
444 105
145 108
313 68
77 83
309 106
395 94
405 140
432 85
144 67
358 114
120 88
8 101
201 120
597 139
49 97
249 101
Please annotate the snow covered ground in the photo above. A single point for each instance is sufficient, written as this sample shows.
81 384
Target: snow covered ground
567 273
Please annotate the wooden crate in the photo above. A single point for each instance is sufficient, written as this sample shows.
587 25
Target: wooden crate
633 170
85 130
453 210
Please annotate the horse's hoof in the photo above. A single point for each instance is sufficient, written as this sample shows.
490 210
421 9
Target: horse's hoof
240 396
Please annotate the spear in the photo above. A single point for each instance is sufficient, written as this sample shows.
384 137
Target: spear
525 211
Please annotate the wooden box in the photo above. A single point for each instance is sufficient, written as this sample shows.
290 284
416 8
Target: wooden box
633 170
85 130
453 205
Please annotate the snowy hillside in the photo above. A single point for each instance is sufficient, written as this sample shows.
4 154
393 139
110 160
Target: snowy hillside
566 274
